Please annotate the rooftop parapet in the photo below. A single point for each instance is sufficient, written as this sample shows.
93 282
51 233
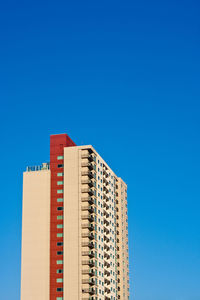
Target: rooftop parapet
43 166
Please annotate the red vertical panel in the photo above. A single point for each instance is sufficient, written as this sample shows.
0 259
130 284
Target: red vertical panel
57 144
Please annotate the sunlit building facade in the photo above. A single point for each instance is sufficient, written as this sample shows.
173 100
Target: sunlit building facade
74 227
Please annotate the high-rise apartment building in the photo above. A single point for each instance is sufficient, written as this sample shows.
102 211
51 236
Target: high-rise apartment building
74 227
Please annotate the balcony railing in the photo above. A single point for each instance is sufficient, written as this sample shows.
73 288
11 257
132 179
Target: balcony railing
106 264
105 213
105 222
88 190
87 244
106 290
90 291
106 238
89 182
105 197
88 217
88 253
105 190
90 281
105 173
106 281
91 272
88 208
105 181
106 272
88 235
89 165
89 262
105 205
106 230
88 173
106 255
90 226
106 247
91 200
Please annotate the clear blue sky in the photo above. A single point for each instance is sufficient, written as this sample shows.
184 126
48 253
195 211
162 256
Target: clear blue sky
123 76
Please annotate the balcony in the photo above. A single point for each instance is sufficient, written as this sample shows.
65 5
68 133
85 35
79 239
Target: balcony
106 239
106 222
107 290
106 247
105 189
85 154
106 281
105 213
88 217
91 200
88 173
90 281
105 173
106 264
87 225
106 255
105 205
89 165
106 272
88 244
90 291
88 190
91 272
105 230
105 181
89 182
89 262
88 208
88 235
105 197
88 253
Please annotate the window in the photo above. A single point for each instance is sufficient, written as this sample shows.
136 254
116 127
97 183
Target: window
60 226
60 182
59 280
60 166
59 262
59 298
60 208
59 271
59 252
59 234
59 191
60 200
60 174
59 289
59 217
60 244
60 157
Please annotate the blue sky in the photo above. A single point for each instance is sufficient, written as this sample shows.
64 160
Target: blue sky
123 76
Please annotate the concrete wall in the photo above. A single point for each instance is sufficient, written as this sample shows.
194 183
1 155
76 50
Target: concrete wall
35 236
71 224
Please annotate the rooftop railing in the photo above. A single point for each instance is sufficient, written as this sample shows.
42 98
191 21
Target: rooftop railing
44 166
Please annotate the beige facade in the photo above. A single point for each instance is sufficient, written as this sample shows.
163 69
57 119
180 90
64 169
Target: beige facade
95 249
122 240
35 236
71 224
96 228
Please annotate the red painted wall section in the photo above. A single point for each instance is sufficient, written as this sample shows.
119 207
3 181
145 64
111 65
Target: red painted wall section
57 144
